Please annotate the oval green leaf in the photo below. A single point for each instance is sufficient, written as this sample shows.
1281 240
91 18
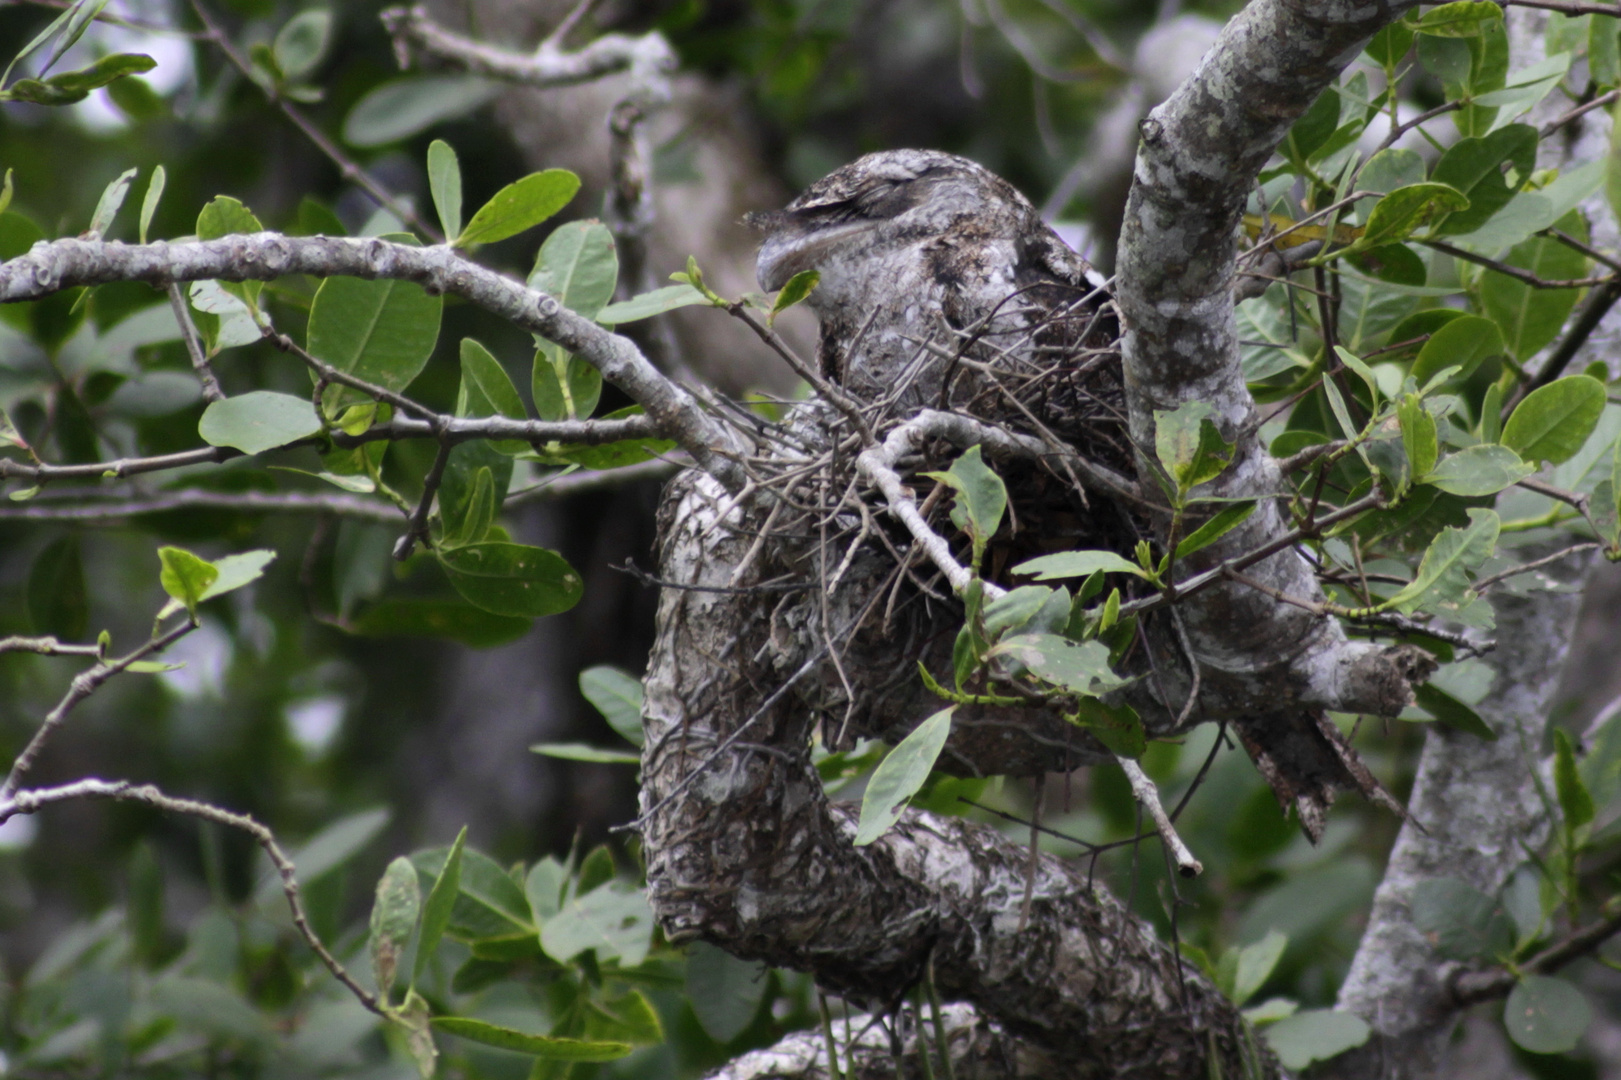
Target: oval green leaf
1461 343
380 331
520 205
257 421
1071 564
618 697
402 108
541 1046
1478 470
578 265
1546 1016
900 775
1554 421
512 579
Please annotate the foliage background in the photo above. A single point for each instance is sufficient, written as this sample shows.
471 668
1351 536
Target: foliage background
301 724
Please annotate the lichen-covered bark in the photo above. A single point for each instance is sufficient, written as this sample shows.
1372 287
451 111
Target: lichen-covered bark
743 848
1475 808
1200 154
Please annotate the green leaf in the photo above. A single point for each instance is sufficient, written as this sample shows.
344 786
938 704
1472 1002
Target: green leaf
900 775
1452 712
1017 607
235 571
445 183
112 198
1461 921
1072 564
472 519
74 86
403 107
1478 470
1117 727
393 916
1081 667
565 387
1555 421
1219 525
577 264
613 920
1532 317
582 752
78 15
1450 556
520 205
379 331
1546 1015
541 1046
302 43
1456 20
1463 343
149 204
58 603
1189 445
1316 1034
981 497
1418 435
512 579
1475 167
1574 800
441 904
1255 965
184 576
543 887
618 697
649 304
454 620
724 992
487 390
1396 216
225 216
797 289
257 421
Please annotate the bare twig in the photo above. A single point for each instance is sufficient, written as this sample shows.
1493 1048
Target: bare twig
28 802
84 684
346 166
1147 796
194 345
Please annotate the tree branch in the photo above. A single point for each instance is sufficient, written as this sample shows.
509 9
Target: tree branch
50 267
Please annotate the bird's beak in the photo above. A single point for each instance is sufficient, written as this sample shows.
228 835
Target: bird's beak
794 247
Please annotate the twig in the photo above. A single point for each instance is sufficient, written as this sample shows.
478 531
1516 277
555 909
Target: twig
349 170
833 394
46 646
1525 568
1500 267
1473 987
1568 7
194 346
1147 795
1597 305
84 684
646 56
93 511
28 802
1587 106
417 526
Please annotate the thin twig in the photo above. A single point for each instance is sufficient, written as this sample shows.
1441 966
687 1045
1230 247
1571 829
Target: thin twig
84 684
194 345
28 802
1147 796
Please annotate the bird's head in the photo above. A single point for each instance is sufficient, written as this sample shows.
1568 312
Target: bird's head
881 202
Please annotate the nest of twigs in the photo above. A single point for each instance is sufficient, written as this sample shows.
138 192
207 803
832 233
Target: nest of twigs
839 572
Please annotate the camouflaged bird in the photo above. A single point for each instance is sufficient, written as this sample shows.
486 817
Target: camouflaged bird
927 260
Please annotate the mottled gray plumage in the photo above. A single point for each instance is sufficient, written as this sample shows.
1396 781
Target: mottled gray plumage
920 246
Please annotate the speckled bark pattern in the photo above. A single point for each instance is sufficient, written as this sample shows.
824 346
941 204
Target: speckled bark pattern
745 851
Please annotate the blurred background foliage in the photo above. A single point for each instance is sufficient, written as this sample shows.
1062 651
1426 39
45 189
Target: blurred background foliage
378 745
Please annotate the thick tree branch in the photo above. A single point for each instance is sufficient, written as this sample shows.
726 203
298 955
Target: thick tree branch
1197 163
55 265
744 849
